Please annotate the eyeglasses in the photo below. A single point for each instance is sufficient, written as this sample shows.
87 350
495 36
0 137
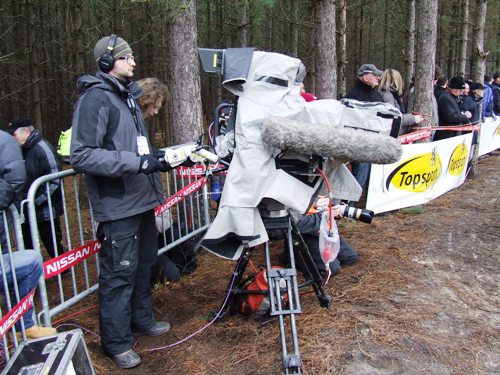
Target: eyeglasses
128 58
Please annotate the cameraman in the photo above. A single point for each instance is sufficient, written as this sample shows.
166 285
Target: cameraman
111 146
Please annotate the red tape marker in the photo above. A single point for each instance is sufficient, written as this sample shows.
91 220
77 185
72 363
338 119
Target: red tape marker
180 195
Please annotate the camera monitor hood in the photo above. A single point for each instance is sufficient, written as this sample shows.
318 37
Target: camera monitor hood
233 64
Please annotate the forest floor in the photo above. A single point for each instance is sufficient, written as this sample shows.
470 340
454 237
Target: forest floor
423 299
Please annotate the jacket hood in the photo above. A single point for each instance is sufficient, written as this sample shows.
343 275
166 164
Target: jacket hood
32 140
107 82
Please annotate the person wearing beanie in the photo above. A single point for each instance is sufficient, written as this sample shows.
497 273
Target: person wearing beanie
449 108
110 145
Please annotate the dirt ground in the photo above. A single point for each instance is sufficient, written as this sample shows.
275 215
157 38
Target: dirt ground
423 299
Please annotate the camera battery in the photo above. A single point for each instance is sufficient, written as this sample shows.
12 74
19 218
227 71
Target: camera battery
63 354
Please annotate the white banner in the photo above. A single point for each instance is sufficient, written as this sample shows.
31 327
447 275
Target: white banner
424 172
489 136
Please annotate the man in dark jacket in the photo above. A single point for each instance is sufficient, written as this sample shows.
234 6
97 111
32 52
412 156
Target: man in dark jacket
496 93
13 172
449 109
110 145
365 90
12 167
40 160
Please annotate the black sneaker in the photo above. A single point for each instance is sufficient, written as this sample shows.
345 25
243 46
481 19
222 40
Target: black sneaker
126 359
158 329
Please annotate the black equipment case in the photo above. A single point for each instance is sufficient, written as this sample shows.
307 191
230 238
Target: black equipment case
62 354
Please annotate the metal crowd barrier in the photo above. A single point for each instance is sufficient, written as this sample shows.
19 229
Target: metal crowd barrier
14 305
77 269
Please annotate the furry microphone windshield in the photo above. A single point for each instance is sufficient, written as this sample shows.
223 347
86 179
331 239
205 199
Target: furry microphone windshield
342 144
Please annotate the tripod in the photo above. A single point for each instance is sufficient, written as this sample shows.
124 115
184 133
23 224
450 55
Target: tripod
281 282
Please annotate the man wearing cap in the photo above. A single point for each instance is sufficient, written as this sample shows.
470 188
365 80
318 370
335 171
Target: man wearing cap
40 160
472 101
365 90
111 146
449 108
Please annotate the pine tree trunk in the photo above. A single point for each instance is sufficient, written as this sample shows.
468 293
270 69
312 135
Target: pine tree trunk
426 25
185 83
34 73
242 23
324 43
342 51
294 28
477 42
410 48
464 21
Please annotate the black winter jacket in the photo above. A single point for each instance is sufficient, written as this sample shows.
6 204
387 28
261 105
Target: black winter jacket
40 160
449 114
496 97
365 93
104 147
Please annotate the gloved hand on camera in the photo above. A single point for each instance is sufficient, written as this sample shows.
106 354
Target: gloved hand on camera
165 165
149 164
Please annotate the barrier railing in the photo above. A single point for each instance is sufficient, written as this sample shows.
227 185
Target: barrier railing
13 301
77 230
77 269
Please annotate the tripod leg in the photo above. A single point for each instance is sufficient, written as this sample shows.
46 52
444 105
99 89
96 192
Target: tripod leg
234 283
310 270
281 281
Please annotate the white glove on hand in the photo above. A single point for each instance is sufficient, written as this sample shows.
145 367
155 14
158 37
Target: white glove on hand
322 204
338 211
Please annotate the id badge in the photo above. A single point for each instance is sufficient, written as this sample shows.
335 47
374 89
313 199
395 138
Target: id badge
142 145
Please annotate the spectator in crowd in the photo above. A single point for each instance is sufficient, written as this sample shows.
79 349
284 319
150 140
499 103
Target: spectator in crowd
154 95
365 90
110 145
495 86
12 167
12 171
488 98
440 85
180 260
307 96
27 267
468 102
449 110
473 100
40 160
391 89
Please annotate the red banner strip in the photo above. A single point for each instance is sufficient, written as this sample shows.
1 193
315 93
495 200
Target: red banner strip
16 313
415 136
54 267
457 127
180 195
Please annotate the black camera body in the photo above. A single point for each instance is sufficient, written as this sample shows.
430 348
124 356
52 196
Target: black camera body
365 216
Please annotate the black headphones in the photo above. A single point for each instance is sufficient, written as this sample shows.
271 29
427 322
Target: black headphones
106 61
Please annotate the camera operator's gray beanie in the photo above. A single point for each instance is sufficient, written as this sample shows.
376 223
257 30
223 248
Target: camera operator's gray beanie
121 48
